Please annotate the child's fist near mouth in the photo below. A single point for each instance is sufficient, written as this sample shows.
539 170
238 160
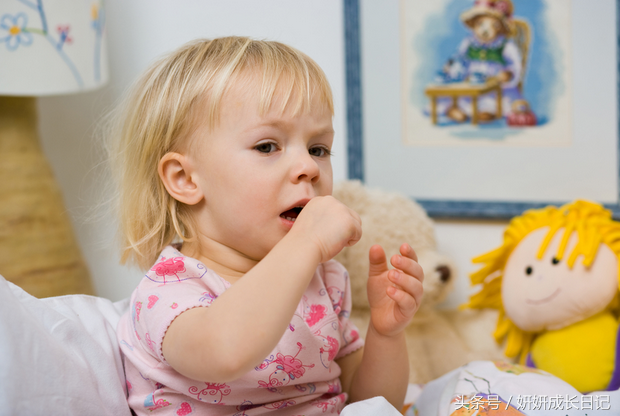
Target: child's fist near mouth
329 224
394 295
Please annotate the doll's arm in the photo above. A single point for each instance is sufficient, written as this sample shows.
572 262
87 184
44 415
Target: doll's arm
512 56
242 326
463 46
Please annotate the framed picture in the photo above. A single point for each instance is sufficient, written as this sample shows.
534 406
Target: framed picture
485 108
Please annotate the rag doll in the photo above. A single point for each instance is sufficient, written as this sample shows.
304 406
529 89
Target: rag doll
554 281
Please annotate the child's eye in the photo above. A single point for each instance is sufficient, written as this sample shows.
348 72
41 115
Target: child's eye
319 151
266 147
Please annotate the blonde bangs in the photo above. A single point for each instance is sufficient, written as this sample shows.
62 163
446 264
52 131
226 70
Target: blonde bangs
296 80
277 72
594 226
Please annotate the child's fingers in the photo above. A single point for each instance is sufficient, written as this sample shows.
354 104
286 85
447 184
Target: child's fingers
408 265
406 283
406 303
378 261
357 235
408 251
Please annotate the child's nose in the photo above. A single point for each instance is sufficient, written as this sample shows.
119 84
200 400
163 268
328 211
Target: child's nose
305 168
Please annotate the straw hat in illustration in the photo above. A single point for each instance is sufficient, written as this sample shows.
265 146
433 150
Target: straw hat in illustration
502 10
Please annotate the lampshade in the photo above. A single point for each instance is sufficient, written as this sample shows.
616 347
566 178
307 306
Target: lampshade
51 46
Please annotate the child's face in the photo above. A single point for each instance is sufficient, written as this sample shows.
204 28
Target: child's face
547 294
254 169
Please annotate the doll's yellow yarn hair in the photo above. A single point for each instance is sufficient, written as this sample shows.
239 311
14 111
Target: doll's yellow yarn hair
593 224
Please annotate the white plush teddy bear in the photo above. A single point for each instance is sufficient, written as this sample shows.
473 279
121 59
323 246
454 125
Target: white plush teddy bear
438 341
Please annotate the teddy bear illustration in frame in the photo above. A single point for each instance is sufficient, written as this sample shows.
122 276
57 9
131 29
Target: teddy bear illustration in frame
485 76
555 282
486 69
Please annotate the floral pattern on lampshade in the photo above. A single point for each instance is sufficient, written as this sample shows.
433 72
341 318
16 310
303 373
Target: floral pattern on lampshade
52 46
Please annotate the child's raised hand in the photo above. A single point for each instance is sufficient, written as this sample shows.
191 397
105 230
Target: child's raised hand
394 295
330 224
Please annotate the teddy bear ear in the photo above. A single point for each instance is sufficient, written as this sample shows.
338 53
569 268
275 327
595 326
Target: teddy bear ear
439 277
444 272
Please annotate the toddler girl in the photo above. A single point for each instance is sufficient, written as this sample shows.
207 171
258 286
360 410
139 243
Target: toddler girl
225 146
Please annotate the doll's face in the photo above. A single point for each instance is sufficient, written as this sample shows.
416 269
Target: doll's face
546 293
486 28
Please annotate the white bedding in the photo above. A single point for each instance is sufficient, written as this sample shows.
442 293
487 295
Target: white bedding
59 355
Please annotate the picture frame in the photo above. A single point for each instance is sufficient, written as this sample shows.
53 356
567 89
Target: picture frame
590 156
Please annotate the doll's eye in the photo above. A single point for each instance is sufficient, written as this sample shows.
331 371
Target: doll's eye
555 261
529 270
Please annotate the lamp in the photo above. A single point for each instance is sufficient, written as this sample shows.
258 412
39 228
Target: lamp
46 47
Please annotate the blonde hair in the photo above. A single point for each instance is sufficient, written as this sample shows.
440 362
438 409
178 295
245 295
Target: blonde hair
157 117
594 226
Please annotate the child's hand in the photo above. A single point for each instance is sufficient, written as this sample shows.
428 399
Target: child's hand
330 224
394 295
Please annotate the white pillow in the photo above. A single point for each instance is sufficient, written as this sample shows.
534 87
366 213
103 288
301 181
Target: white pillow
60 355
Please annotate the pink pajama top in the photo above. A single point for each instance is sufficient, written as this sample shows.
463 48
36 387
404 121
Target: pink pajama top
299 377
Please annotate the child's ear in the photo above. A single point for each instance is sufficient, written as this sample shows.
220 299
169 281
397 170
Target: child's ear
177 174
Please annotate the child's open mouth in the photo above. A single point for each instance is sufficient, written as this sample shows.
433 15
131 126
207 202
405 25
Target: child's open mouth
291 214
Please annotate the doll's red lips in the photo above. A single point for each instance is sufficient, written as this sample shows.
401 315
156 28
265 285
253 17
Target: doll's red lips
543 300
